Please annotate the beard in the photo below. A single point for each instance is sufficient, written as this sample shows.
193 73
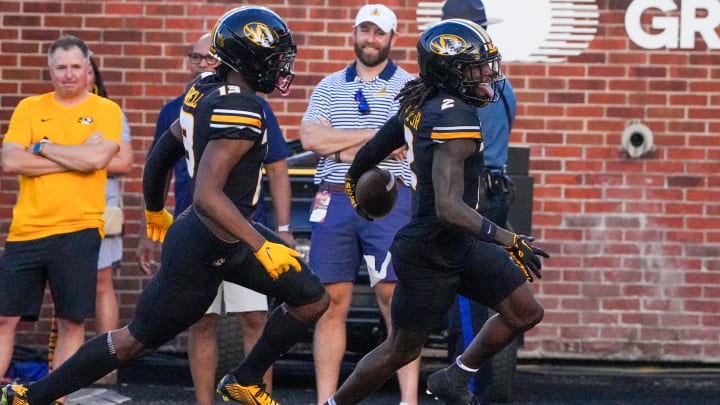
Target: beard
372 60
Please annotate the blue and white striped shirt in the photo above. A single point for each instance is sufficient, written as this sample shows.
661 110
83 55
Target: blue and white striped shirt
334 100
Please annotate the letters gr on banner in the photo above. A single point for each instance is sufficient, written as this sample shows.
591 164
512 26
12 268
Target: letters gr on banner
672 32
544 31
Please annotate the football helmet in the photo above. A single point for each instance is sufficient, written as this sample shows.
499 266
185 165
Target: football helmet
452 54
257 43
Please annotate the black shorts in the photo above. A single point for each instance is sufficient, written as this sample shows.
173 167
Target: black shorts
193 264
435 262
66 262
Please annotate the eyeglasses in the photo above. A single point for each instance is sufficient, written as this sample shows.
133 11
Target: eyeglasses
196 58
363 107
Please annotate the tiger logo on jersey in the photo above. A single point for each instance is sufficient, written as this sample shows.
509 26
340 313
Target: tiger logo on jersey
448 45
260 34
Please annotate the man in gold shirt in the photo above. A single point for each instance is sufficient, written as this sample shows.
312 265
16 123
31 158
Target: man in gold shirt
59 144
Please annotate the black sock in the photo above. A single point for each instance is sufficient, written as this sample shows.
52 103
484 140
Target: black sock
457 374
93 360
281 332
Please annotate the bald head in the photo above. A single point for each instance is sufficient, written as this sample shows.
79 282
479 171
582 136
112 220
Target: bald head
202 45
200 64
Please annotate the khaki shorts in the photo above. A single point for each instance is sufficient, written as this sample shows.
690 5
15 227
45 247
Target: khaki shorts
233 298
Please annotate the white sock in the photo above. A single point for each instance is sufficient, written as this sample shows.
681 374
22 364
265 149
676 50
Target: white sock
331 401
464 367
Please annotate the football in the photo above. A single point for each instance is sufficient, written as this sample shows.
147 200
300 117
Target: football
376 192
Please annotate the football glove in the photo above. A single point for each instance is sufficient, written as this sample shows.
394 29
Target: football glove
277 258
158 223
350 184
526 257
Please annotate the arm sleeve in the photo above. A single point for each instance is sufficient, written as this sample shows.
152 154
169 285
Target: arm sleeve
159 162
386 140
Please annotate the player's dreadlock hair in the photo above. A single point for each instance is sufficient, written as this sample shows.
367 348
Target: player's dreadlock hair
415 93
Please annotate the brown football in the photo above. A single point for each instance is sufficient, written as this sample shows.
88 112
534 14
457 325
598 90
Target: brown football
376 192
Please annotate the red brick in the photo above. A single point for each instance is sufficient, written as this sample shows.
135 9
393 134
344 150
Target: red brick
557 289
618 332
652 304
624 304
659 334
579 332
707 306
683 350
599 318
576 304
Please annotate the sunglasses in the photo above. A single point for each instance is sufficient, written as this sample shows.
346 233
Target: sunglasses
363 106
196 58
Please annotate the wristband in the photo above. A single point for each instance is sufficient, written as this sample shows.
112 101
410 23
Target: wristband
336 157
487 230
283 228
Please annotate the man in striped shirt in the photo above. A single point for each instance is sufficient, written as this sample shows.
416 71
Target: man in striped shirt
345 110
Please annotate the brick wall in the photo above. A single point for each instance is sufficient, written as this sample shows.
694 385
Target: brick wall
635 273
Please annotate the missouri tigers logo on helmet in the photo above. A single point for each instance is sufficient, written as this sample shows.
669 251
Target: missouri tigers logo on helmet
451 50
260 34
447 45
256 42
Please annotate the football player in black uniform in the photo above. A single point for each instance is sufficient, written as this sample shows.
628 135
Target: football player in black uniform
222 127
448 247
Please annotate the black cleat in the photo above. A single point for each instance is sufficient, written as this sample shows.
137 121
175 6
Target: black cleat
440 386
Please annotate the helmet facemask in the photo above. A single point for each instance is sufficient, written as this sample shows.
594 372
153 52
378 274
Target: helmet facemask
279 67
470 78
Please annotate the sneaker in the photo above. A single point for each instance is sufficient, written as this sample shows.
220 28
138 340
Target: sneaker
229 388
14 394
442 387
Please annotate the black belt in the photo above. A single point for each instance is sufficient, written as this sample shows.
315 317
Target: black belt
334 187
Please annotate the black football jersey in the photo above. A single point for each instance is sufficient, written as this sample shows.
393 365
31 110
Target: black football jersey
441 119
213 109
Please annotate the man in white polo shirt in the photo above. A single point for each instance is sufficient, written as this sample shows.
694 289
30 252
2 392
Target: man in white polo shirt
345 110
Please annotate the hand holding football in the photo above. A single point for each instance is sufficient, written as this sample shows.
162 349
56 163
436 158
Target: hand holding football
376 192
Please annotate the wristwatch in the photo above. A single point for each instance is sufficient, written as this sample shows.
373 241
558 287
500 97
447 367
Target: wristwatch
38 146
284 228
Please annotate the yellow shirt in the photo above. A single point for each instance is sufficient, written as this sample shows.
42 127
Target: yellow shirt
64 202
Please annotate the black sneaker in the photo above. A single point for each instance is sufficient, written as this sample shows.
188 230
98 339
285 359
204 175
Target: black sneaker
442 387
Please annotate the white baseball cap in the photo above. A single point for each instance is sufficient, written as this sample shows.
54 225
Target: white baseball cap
379 15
